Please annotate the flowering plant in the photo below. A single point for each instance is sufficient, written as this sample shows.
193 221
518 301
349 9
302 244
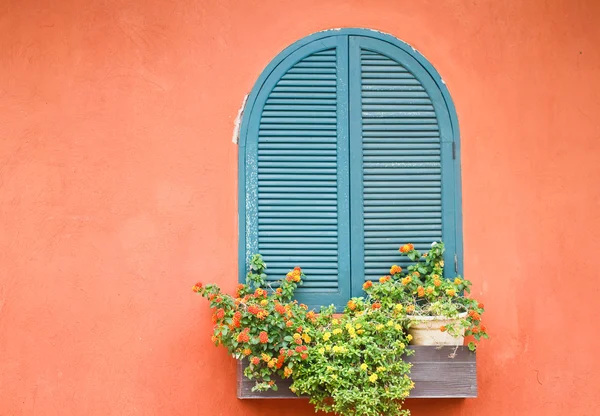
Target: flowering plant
355 366
351 363
261 324
425 292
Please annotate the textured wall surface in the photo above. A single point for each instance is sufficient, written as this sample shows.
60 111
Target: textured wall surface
118 191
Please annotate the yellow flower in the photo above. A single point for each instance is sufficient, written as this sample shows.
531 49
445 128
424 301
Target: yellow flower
334 376
264 302
379 327
358 326
326 336
373 378
336 349
457 281
349 326
381 369
329 368
390 323
327 347
306 338
360 331
442 263
335 321
363 367
398 307
297 336
321 351
409 337
337 331
397 327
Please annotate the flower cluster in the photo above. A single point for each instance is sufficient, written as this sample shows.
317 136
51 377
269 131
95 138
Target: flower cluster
262 324
424 290
365 347
328 355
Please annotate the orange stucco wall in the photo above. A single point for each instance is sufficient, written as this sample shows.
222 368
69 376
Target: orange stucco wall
118 190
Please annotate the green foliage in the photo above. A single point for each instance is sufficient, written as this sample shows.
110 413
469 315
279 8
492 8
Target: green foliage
356 364
424 291
351 363
261 324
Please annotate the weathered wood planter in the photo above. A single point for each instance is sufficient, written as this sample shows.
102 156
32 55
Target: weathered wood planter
449 372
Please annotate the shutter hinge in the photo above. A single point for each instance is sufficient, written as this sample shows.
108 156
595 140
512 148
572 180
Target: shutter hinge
455 263
453 150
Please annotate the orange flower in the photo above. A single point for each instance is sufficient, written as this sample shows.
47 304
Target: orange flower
450 292
437 282
420 291
406 248
410 308
247 351
480 305
475 330
474 315
395 269
429 290
280 308
406 280
287 372
263 337
243 336
304 356
376 305
416 274
255 360
351 305
367 285
443 328
240 289
197 287
457 281
384 279
483 328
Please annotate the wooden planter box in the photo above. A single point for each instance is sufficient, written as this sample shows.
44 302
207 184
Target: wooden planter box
437 372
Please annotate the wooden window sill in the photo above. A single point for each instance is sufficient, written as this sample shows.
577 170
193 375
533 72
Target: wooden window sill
444 372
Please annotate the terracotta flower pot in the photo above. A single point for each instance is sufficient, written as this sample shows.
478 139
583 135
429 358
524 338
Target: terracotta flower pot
425 330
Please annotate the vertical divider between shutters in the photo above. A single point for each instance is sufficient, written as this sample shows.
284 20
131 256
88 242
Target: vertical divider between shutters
343 169
357 271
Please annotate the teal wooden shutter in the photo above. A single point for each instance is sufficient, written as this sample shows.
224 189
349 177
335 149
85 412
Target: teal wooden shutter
402 177
347 151
297 210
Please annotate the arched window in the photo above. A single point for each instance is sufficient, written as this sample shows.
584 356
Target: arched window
348 149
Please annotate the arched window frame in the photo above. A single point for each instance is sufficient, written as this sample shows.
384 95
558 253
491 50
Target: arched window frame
274 70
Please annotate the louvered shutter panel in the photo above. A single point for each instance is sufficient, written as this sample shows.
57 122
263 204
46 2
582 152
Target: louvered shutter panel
297 209
400 135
